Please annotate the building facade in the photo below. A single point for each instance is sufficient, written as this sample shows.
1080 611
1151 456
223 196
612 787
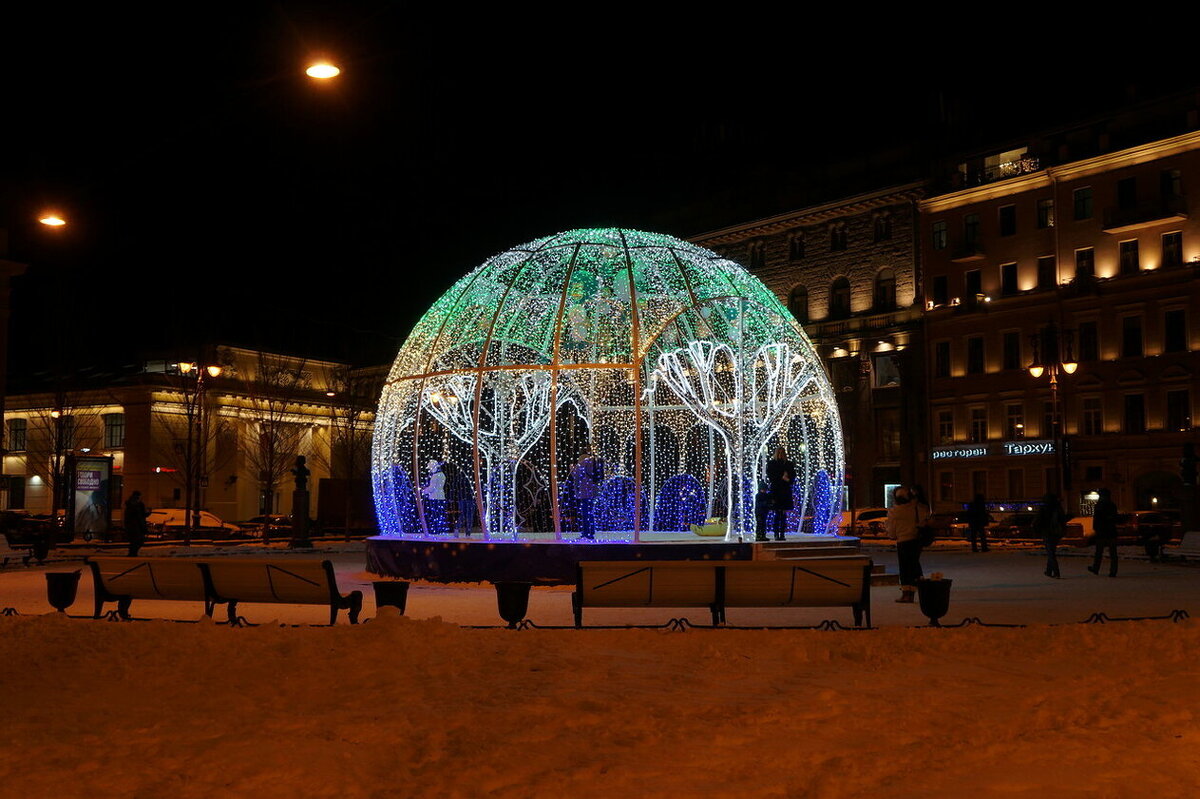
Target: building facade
184 436
1092 262
850 273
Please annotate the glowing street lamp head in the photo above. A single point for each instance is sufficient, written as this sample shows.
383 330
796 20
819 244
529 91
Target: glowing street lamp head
52 220
322 70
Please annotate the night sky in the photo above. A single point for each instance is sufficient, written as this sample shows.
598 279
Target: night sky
216 194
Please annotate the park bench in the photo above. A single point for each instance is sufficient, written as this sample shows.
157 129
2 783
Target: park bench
290 582
226 581
640 584
717 585
123 580
842 581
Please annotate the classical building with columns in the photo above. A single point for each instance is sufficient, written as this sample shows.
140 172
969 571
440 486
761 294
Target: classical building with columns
225 428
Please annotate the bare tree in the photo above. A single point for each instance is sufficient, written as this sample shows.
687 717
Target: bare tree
274 433
352 397
68 423
187 444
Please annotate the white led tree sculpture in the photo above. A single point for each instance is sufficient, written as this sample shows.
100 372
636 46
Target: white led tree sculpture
745 399
620 342
503 416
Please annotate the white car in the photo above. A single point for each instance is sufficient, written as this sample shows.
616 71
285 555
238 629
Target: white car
176 518
867 522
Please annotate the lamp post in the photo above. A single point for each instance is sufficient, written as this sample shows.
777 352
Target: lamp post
1052 356
196 456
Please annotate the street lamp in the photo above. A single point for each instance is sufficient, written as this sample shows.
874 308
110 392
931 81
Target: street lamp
322 70
1052 354
196 457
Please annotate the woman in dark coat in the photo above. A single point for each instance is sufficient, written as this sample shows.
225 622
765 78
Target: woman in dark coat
781 474
1050 523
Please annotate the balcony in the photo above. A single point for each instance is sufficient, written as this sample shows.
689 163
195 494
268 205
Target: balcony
1158 211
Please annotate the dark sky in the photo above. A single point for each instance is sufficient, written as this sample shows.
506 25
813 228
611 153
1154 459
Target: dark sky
214 193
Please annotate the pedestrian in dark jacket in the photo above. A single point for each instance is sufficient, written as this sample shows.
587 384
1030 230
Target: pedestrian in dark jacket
977 517
1104 529
1051 524
781 474
135 522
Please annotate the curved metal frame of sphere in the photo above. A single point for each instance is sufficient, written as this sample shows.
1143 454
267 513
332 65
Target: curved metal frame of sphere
623 332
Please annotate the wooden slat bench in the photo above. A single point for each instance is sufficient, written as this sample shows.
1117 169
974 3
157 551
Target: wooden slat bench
289 582
123 580
809 582
803 583
641 584
214 581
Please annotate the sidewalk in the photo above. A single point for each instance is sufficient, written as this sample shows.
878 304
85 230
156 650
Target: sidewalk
1003 586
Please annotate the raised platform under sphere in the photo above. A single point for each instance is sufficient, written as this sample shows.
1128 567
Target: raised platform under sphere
540 559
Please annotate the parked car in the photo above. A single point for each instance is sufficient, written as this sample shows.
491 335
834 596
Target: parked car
1135 527
1014 525
949 525
271 523
867 522
172 521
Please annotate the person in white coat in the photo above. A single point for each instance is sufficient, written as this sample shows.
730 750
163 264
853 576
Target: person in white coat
903 520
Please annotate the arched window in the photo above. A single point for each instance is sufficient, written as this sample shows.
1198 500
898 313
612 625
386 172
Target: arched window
839 299
885 290
798 304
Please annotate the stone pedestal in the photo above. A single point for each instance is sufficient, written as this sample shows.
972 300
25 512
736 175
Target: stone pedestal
300 539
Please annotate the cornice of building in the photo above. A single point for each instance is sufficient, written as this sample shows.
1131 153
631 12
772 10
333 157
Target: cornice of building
848 206
1132 156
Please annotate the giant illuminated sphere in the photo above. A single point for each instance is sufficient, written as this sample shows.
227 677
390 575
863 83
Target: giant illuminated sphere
678 369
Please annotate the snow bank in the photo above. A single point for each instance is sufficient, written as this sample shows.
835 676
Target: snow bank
401 707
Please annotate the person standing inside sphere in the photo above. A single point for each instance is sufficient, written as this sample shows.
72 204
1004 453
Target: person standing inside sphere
135 522
1104 528
1050 523
781 474
903 520
586 478
434 493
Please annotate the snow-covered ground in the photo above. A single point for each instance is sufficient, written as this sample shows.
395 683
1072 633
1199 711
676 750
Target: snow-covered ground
420 706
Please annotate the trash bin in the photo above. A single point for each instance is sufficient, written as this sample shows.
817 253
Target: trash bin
512 597
934 596
391 593
61 588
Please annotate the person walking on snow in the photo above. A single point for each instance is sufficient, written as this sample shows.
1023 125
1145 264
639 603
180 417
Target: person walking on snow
1104 528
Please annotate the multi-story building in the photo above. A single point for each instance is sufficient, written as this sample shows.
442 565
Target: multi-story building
849 272
1094 262
230 435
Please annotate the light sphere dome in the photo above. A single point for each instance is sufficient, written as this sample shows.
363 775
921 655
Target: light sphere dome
608 382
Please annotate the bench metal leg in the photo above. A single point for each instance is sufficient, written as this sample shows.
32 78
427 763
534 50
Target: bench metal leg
231 609
123 607
858 615
356 602
577 609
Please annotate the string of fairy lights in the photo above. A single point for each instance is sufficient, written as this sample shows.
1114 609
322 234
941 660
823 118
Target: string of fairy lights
608 382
